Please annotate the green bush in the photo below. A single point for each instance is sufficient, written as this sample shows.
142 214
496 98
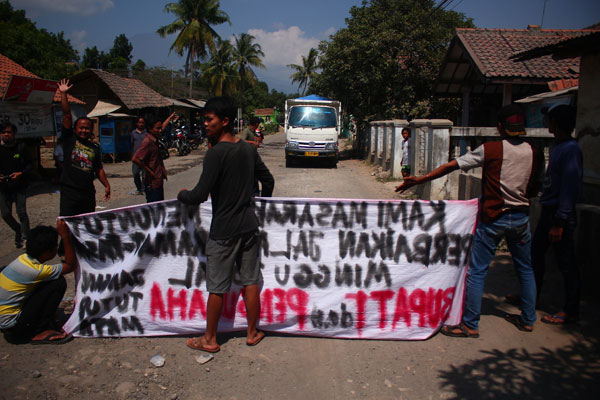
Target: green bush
271 127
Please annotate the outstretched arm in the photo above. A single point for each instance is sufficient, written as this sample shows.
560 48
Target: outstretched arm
172 117
70 261
440 171
63 88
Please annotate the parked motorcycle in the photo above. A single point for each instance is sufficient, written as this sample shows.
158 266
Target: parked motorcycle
181 143
163 147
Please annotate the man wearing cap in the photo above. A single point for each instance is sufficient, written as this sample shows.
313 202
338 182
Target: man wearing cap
509 177
557 222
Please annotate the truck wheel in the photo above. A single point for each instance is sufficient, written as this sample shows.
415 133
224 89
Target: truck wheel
288 162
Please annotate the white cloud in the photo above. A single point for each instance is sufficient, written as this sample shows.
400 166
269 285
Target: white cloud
77 39
78 7
284 46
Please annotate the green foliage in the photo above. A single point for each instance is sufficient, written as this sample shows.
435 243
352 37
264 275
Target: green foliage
139 66
193 27
219 73
122 48
92 58
306 72
247 55
43 53
384 63
271 127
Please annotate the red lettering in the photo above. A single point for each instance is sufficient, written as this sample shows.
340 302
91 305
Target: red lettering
434 305
156 303
361 301
177 301
197 304
401 311
382 297
297 301
229 304
280 306
416 301
241 305
266 310
448 296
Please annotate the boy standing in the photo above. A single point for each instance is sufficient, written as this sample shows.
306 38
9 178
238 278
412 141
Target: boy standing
229 168
405 163
30 290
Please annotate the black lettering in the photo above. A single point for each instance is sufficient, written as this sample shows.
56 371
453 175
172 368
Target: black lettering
416 215
132 324
378 272
187 281
340 215
422 248
325 211
282 281
323 278
438 216
440 248
303 278
306 216
343 275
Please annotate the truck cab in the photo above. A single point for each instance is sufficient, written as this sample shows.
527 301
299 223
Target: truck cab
312 128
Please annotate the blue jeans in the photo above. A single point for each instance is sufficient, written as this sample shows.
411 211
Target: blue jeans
154 194
515 228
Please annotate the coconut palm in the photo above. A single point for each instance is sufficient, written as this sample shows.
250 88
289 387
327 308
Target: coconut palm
247 55
305 72
193 25
220 70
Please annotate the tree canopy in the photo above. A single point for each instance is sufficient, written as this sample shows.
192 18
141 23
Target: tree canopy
306 72
43 53
384 63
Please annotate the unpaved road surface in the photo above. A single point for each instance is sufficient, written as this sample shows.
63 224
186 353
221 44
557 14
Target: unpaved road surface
552 362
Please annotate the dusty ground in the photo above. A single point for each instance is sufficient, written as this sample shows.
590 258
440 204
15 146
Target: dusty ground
552 362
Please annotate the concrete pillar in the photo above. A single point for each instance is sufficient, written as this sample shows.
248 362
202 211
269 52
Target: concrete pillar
431 146
396 160
372 141
387 144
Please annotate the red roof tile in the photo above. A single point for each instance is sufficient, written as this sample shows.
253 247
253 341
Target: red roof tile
491 50
8 68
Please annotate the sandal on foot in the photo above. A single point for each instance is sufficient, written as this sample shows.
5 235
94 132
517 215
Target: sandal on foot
260 335
52 337
518 322
197 344
450 330
558 319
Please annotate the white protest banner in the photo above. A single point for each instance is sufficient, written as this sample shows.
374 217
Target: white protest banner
370 269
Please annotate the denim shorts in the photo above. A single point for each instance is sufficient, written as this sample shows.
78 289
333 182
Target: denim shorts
230 256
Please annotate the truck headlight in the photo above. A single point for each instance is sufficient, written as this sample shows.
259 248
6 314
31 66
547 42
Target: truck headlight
291 145
331 146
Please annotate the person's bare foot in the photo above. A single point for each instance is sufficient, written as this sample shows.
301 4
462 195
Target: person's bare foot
255 339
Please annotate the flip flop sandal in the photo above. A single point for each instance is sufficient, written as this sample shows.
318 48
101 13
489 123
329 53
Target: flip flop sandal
196 344
556 319
48 338
260 335
518 322
448 330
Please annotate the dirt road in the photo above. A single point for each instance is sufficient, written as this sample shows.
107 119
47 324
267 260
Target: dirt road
552 362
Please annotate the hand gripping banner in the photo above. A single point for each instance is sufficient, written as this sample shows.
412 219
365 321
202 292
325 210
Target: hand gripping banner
360 269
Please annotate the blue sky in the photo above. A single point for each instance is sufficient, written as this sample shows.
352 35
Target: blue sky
286 29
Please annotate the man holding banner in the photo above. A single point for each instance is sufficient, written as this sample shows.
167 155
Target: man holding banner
510 175
229 169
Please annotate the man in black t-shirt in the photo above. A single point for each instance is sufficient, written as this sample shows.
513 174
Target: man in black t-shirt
82 162
15 164
228 173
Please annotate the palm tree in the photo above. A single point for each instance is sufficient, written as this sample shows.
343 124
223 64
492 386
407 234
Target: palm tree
193 23
220 70
305 72
247 55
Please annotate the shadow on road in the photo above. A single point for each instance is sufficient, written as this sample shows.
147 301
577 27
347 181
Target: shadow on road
572 372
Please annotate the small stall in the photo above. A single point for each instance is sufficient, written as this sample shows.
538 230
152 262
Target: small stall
113 129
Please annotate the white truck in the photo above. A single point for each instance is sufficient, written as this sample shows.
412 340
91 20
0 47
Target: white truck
312 128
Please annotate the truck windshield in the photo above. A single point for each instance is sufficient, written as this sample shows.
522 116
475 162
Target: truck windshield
313 117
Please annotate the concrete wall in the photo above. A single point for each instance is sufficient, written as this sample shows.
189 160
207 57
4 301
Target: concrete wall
588 125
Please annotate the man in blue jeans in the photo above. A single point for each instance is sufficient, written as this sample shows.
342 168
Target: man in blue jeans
509 178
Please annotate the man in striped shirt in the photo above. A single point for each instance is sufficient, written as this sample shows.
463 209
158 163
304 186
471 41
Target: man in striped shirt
31 290
510 173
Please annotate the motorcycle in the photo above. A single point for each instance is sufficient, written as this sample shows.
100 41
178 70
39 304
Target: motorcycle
196 138
163 147
181 143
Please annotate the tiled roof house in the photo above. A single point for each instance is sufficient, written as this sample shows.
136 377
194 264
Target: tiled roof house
479 63
8 68
93 85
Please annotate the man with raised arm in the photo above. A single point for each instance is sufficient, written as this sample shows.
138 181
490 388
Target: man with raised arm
82 162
